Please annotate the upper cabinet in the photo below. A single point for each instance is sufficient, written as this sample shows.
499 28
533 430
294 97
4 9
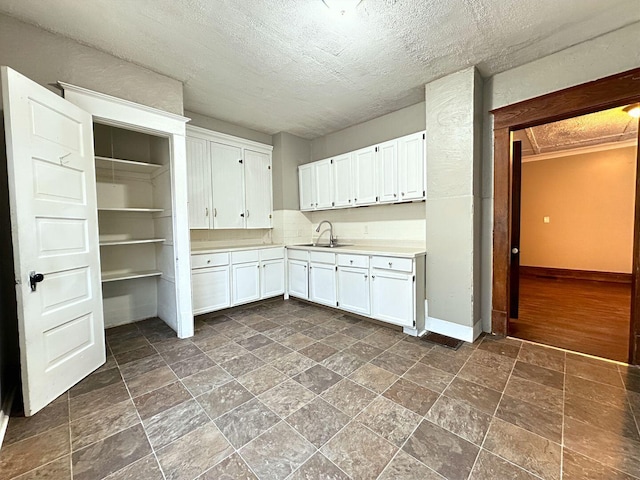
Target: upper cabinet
390 172
229 181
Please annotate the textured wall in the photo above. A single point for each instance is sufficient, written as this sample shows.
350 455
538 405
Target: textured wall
452 180
229 128
47 58
605 55
590 200
396 124
289 151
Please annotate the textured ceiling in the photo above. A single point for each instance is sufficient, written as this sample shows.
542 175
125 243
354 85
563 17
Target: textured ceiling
607 126
289 65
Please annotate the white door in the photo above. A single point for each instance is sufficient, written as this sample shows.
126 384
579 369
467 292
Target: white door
298 278
353 290
342 183
199 183
324 184
228 185
257 181
322 283
366 187
272 278
52 195
392 297
411 167
245 282
210 289
387 156
307 186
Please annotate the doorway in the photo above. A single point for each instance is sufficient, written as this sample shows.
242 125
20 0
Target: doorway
571 277
610 92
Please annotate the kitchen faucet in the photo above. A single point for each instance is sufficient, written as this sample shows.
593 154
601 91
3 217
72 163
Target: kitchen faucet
332 239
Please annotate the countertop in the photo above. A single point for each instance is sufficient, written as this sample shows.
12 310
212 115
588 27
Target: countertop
383 250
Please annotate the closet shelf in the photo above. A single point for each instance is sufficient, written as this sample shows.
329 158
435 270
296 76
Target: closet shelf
115 277
122 209
131 242
126 165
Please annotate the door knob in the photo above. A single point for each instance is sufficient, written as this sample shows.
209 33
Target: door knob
515 250
35 278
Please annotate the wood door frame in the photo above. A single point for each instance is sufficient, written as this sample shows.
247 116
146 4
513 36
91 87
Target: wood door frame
609 92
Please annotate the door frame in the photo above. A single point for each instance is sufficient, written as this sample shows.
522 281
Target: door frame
609 92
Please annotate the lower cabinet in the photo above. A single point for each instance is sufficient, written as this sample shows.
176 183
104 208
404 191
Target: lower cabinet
322 283
210 289
353 290
271 278
298 278
392 297
246 282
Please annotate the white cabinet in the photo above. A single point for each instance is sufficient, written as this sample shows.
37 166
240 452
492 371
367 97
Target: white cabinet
342 181
210 289
353 290
393 291
199 183
411 167
322 283
258 195
245 283
297 272
271 278
387 164
228 185
365 178
229 178
316 185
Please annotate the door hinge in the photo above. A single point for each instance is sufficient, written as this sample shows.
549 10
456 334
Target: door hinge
376 198
269 167
331 161
333 204
414 278
424 136
336 268
337 304
240 161
414 324
376 149
424 193
270 216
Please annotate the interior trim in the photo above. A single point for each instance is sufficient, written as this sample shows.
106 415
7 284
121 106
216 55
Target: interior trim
593 275
5 412
453 330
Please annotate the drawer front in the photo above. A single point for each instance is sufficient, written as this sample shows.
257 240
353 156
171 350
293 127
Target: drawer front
245 256
298 254
209 260
271 253
392 263
345 260
322 257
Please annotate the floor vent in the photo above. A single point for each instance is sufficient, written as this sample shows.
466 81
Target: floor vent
443 340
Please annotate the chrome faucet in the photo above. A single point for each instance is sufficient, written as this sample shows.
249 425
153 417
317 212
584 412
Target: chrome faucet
332 239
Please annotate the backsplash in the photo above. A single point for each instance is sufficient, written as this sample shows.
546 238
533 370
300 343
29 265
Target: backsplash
291 227
236 237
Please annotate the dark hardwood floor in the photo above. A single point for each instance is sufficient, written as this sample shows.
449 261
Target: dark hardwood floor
580 315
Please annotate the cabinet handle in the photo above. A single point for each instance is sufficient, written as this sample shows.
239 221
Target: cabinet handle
390 264
257 266
349 200
373 277
215 212
351 262
242 215
247 213
355 199
206 211
395 194
365 277
402 193
208 261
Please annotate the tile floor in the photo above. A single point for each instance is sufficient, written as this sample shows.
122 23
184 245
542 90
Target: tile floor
289 390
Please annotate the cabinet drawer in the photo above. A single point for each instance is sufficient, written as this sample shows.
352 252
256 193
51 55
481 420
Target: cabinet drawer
245 256
322 257
361 261
298 255
271 253
209 260
392 263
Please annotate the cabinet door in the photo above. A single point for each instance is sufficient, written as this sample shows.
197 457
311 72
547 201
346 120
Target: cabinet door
210 289
411 167
392 297
272 278
387 161
322 283
257 182
324 184
228 185
365 185
199 183
245 282
342 181
307 186
353 290
298 278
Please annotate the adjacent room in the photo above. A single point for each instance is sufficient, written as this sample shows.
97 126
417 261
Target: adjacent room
320 239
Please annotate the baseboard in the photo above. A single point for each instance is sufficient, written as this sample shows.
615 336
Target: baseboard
593 275
4 415
454 330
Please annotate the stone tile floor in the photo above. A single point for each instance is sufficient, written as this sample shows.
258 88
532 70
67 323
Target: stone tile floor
290 390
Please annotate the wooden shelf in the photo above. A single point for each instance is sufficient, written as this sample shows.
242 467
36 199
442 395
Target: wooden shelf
134 210
131 242
126 165
116 277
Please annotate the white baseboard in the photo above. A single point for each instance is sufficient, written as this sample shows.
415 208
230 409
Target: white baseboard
4 415
453 330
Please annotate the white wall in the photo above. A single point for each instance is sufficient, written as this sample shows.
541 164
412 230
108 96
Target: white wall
603 56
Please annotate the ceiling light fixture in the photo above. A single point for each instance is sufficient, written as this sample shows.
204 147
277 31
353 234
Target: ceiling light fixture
633 110
341 7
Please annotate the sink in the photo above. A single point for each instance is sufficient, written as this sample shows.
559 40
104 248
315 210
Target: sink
325 245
